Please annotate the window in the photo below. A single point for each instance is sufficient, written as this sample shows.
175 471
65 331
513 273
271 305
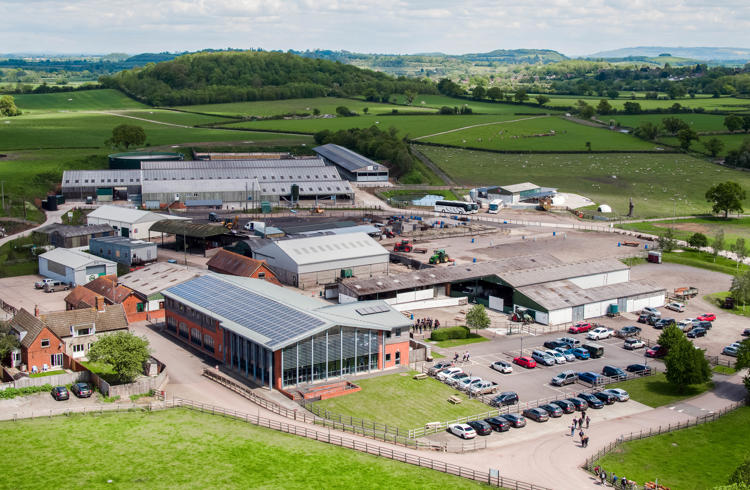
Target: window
183 330
397 332
78 348
195 336
140 307
45 342
398 358
208 342
387 358
261 275
388 335
171 324
83 331
117 253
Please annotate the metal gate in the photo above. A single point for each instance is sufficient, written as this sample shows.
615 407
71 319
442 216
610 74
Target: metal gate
577 313
622 305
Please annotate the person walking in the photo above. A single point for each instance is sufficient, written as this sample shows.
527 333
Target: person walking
468 356
614 480
588 420
580 436
455 357
572 429
603 477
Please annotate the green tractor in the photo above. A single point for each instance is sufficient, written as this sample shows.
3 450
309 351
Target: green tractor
439 257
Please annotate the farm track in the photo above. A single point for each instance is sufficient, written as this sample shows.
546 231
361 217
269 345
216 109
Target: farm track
479 125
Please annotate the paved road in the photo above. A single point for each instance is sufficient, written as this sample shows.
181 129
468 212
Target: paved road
51 217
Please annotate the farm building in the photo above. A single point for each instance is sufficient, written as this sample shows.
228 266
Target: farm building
67 236
307 262
123 250
126 222
193 237
133 159
280 338
242 156
516 193
352 165
226 262
229 184
74 266
553 292
148 283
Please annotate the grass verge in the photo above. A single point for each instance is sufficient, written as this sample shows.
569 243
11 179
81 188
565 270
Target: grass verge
656 391
718 299
724 370
704 260
239 455
699 457
473 338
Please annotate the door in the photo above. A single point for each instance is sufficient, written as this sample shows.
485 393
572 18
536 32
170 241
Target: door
125 232
622 305
56 360
577 313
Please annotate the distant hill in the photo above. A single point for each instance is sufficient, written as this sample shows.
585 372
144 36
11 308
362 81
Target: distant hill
696 53
514 56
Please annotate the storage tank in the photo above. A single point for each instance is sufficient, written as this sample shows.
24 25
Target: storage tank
133 159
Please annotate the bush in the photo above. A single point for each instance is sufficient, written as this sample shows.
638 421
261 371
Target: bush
698 240
458 332
29 390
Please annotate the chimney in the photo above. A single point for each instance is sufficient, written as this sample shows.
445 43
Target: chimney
36 311
100 303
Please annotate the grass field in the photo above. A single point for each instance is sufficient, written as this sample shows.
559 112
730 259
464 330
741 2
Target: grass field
731 142
696 458
703 260
542 134
698 122
661 185
174 117
707 103
410 403
718 299
85 100
655 391
484 107
326 105
404 195
184 449
709 225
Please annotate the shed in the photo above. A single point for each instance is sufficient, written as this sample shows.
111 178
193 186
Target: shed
226 262
74 266
197 236
352 165
123 250
127 222
68 236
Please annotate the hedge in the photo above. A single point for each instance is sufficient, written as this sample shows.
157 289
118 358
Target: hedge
458 332
29 390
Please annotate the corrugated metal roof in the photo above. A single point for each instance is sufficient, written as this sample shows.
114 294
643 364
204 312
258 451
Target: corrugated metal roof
190 186
369 229
126 215
235 163
74 258
195 230
156 277
100 178
557 295
314 250
558 272
308 188
68 231
276 174
346 158
525 186
121 240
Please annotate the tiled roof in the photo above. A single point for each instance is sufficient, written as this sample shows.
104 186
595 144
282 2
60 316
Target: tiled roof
112 318
23 321
81 297
107 286
227 262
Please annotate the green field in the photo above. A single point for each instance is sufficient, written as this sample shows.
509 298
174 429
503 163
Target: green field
184 449
731 142
401 401
542 134
731 104
326 105
696 458
661 185
703 260
173 117
709 225
84 100
484 107
698 122
656 391
404 195
718 299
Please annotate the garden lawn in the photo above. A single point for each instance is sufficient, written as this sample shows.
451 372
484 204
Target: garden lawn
685 228
703 260
46 373
696 458
85 100
401 401
541 133
473 338
656 391
654 181
184 449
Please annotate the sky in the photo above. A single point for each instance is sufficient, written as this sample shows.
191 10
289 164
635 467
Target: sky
573 27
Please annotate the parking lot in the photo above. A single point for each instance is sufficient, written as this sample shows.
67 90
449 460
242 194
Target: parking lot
20 293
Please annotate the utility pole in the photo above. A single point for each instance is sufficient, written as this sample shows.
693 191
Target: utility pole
2 186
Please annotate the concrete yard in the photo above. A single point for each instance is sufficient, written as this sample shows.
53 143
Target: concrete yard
19 292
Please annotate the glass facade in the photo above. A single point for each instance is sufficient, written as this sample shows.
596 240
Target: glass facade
249 359
336 352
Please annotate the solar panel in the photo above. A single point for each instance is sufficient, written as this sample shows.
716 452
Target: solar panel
371 310
251 310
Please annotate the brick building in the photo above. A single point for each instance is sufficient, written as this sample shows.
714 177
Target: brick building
113 293
226 262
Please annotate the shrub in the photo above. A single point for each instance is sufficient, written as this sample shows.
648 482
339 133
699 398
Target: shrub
698 240
29 390
458 332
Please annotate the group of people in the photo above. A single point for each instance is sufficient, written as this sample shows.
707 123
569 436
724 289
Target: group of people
578 424
464 358
603 478
425 325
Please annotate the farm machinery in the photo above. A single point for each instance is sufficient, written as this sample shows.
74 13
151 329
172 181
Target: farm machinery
406 246
440 257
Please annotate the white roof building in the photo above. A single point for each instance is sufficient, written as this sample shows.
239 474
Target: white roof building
128 222
74 266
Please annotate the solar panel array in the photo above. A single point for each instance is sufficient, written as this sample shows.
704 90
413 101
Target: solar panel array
371 310
253 311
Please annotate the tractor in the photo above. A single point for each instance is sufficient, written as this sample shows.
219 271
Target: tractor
403 246
439 256
231 224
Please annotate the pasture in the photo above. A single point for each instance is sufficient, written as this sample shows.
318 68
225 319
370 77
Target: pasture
172 117
179 448
731 142
723 104
84 100
660 185
683 228
541 133
478 107
698 122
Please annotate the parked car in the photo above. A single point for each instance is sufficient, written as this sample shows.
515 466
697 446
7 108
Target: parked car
650 311
482 388
653 320
439 366
746 332
515 420
643 317
60 393
498 424
629 331
685 325
42 282
464 431
633 344
81 390
675 306
557 356
703 324
606 398
730 350
504 399
707 317
537 414
55 286
656 351
697 332
567 352
552 410
525 361
614 372
581 353
552 344
502 366
542 357
595 350
572 343
447 373
640 369
578 402
454 379
620 394
564 378
480 427
589 377
664 323
600 333
564 405
464 384
593 401
580 327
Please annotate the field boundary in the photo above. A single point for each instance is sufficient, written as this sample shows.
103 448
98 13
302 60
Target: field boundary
543 152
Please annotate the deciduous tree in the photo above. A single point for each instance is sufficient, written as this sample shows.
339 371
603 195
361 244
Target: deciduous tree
673 124
520 95
124 351
647 131
686 365
698 240
733 122
726 197
604 108
713 146
686 137
8 106
717 244
740 250
542 99
127 135
740 288
495 93
670 336
477 318
478 92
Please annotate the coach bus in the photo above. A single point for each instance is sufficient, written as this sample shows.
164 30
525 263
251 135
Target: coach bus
456 207
495 206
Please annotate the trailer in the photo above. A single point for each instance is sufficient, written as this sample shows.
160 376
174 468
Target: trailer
686 292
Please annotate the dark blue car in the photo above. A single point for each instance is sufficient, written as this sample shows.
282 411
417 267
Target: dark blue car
589 377
593 401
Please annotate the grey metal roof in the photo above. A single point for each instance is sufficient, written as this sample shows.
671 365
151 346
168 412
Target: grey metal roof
100 178
557 272
525 186
158 276
275 174
127 215
226 164
203 202
71 231
272 315
557 295
346 158
191 186
73 258
308 188
297 228
121 240
188 228
314 250
369 229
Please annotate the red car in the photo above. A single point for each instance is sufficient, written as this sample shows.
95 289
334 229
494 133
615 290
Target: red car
580 327
656 351
525 361
707 317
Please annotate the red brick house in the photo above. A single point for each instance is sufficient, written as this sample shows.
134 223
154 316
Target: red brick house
226 262
79 329
113 294
41 349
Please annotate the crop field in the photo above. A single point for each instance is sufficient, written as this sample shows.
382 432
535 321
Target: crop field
185 449
413 126
698 122
683 228
541 133
731 142
483 107
85 100
661 185
727 104
326 105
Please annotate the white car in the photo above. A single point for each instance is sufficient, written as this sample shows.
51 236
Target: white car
650 311
569 356
447 373
464 384
633 343
685 326
573 343
600 333
621 395
455 378
502 366
559 358
675 306
464 431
